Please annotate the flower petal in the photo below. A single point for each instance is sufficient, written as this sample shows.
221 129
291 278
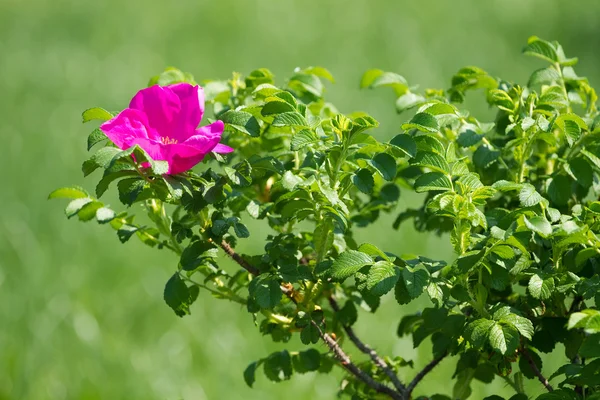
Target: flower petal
180 157
222 149
206 137
126 127
161 106
190 114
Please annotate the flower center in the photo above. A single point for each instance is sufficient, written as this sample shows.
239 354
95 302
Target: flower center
167 140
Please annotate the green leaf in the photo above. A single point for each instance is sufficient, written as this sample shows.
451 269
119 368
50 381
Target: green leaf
307 361
485 156
385 164
462 387
408 101
362 124
95 137
320 72
522 324
348 263
588 319
107 179
348 314
590 348
130 189
240 174
104 215
310 335
289 119
363 180
73 192
74 206
539 225
276 107
405 143
302 139
241 121
278 366
468 138
323 238
559 190
289 181
431 160
178 296
423 122
415 281
571 125
373 250
126 231
581 171
525 367
140 155
537 47
96 113
241 231
528 196
541 288
306 84
504 338
250 373
101 159
378 78
592 157
478 331
266 291
432 181
382 277
544 76
88 211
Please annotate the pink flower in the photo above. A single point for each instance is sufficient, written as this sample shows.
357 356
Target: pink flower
163 120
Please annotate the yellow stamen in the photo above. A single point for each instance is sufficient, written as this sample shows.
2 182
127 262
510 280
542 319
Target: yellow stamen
167 140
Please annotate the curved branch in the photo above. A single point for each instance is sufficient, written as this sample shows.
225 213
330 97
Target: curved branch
536 370
352 368
379 362
237 258
329 341
424 371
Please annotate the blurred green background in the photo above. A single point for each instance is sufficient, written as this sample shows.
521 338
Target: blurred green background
82 316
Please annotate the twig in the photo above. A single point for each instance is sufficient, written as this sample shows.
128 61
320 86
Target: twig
237 258
536 370
368 350
331 343
424 371
352 368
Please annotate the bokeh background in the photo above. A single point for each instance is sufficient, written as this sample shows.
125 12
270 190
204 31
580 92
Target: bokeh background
82 316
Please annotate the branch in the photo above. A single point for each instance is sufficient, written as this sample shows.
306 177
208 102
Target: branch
536 370
329 341
237 258
424 371
379 362
352 368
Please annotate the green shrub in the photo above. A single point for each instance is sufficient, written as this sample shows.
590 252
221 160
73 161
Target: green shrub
517 197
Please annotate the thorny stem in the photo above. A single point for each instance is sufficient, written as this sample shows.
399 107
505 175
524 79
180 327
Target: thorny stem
381 364
352 368
237 258
424 371
329 341
536 370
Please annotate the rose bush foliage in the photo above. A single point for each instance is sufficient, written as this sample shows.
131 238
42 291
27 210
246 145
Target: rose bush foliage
516 196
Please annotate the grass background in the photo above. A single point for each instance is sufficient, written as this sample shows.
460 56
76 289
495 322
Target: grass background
81 316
